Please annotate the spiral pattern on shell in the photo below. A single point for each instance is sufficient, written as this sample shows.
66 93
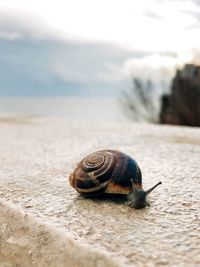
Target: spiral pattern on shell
108 171
93 172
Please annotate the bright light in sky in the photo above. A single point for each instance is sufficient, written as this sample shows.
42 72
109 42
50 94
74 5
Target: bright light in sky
145 24
167 31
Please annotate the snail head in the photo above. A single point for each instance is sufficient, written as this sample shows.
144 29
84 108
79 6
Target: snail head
137 198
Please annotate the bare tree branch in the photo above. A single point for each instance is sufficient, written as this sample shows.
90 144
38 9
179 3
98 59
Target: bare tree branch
139 102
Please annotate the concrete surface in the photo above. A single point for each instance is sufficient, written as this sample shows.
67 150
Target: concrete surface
36 157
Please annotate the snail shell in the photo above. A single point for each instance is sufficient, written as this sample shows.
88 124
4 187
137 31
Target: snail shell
112 172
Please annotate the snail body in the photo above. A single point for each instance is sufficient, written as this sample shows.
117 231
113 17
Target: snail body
111 172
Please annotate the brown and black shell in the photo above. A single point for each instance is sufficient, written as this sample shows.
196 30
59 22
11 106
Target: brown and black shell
106 171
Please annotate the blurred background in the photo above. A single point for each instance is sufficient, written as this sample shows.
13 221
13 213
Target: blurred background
109 60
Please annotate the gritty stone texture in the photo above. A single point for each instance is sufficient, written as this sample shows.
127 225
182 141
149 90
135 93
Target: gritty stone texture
36 158
26 241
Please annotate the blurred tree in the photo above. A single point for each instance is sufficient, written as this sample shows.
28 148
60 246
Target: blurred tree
140 103
182 105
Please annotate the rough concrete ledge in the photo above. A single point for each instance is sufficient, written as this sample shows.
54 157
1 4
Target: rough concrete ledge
63 229
27 241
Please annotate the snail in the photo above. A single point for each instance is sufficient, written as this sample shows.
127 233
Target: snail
112 172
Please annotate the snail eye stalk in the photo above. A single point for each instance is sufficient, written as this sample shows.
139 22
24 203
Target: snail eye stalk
151 189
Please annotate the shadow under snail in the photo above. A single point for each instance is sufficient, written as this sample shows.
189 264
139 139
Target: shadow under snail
112 172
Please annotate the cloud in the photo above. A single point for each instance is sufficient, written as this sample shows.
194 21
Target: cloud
30 67
9 35
195 14
16 24
133 24
91 62
153 15
154 67
39 58
192 10
196 56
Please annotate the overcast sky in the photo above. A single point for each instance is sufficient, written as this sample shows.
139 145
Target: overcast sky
93 47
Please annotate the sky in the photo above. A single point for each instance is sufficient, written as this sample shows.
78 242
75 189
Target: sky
93 47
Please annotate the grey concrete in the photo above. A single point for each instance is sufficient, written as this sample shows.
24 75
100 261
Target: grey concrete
36 157
27 241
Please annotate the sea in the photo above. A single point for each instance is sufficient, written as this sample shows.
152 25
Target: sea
89 108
